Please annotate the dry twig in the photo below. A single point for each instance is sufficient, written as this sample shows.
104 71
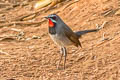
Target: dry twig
11 6
109 12
100 27
22 23
2 52
69 4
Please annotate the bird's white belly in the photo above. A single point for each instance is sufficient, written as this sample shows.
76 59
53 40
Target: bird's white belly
61 40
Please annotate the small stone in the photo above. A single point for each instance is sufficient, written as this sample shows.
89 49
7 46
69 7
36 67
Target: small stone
28 39
35 37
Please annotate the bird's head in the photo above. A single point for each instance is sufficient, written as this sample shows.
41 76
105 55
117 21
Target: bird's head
53 18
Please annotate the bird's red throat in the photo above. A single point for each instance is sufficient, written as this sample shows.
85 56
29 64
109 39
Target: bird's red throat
51 24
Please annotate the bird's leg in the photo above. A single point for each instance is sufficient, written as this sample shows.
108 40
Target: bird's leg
61 51
65 55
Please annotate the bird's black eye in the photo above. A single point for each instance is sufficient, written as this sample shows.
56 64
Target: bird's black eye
54 18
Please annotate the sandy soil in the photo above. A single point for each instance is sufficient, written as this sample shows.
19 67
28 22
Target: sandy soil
36 59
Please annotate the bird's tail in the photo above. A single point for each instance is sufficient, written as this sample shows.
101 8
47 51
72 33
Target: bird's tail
80 33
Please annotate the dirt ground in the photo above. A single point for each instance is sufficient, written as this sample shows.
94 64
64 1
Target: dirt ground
32 55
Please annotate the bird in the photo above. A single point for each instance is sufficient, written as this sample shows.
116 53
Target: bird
63 36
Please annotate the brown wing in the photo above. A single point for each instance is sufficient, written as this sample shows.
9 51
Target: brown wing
72 36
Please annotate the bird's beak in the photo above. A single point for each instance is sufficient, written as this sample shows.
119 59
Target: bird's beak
46 17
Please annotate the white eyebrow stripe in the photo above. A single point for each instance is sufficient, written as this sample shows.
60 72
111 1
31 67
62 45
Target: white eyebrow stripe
53 20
